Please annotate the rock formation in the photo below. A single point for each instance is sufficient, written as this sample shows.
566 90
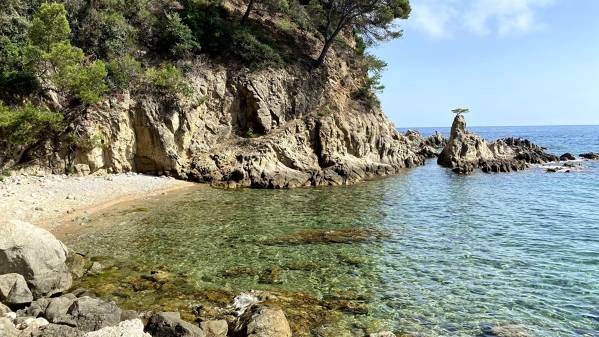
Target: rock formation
466 152
590 156
272 128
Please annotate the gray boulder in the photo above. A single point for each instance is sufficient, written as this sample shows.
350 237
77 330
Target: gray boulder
7 328
35 254
14 290
57 310
4 310
263 321
130 328
170 324
56 330
90 314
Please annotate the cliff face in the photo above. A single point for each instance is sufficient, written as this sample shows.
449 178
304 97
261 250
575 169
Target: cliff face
271 128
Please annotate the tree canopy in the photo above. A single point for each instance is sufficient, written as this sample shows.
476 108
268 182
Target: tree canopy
459 111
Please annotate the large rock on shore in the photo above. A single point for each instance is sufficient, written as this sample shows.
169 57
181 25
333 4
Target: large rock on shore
170 324
466 151
35 254
263 321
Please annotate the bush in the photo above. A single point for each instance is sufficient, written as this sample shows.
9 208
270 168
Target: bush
178 39
28 124
122 72
254 53
372 83
86 82
49 26
167 80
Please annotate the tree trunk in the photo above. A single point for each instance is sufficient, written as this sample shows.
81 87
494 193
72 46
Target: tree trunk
247 12
323 52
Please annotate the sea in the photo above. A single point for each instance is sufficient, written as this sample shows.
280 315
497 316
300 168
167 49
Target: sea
422 253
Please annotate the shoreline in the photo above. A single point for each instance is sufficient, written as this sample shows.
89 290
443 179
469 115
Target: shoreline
55 202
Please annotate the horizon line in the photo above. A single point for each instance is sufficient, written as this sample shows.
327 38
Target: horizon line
495 126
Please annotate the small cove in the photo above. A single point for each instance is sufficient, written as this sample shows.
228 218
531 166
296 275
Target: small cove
425 253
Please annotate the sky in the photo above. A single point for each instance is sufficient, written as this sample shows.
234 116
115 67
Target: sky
512 62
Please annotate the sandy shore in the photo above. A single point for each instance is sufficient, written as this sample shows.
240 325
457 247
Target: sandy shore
54 200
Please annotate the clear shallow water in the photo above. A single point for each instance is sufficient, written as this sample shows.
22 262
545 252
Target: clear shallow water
433 254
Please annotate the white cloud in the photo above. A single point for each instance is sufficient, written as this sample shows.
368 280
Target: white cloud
442 18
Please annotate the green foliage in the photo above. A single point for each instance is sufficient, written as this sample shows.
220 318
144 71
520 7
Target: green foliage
459 111
28 124
14 81
167 80
250 133
4 174
253 52
123 71
372 84
178 38
49 26
86 82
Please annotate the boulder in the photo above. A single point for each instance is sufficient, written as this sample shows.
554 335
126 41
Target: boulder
567 156
90 314
4 310
14 290
7 328
508 330
263 321
215 328
35 254
170 324
57 310
130 328
590 155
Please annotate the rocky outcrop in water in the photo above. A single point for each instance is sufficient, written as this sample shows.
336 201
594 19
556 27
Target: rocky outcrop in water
590 156
466 151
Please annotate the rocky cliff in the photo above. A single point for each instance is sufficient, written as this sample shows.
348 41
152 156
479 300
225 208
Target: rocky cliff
272 128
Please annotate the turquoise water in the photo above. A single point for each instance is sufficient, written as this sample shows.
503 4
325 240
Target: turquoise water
426 253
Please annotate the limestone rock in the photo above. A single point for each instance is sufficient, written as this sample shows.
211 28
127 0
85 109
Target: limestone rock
7 328
170 324
35 254
263 321
130 328
57 310
14 290
4 310
55 330
92 314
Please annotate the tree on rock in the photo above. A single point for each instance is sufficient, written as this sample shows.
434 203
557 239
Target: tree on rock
372 19
460 111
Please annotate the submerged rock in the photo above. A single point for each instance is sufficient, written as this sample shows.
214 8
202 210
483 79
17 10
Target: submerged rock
509 330
315 236
35 254
466 152
263 321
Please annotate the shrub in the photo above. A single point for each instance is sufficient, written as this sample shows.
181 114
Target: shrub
253 52
167 80
49 26
28 124
122 72
86 82
177 37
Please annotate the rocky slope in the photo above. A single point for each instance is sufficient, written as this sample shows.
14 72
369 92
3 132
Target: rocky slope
466 151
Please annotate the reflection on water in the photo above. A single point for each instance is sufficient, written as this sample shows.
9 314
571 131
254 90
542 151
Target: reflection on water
426 253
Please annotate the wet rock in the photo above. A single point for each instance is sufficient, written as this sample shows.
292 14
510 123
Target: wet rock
590 155
215 328
567 156
92 314
14 290
272 276
263 321
436 140
130 328
35 254
170 324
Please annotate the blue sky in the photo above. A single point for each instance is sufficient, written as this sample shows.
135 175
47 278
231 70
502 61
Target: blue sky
512 62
